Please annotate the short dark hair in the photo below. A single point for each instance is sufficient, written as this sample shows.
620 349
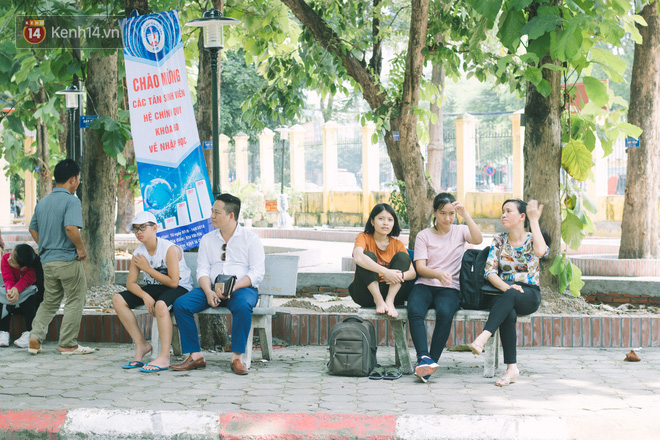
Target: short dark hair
522 209
25 255
232 204
369 228
64 170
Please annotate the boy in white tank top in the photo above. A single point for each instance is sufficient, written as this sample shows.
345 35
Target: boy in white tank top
166 277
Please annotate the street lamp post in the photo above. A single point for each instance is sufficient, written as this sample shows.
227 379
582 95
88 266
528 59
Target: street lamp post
284 220
283 131
71 94
213 22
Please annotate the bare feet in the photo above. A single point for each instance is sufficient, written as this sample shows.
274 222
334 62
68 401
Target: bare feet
476 348
391 310
160 363
510 376
381 307
142 350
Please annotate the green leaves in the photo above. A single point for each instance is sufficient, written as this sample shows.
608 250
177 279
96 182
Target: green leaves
540 25
114 137
576 160
596 91
569 275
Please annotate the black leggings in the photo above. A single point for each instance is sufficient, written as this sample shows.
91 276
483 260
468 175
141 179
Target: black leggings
363 277
27 308
504 310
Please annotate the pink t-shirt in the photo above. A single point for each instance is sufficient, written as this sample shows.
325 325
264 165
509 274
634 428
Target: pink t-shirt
442 252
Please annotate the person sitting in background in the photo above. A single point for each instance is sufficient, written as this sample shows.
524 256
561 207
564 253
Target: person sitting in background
382 263
166 277
23 279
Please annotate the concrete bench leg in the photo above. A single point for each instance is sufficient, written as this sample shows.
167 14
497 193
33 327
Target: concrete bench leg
491 351
263 326
155 338
176 338
247 357
401 346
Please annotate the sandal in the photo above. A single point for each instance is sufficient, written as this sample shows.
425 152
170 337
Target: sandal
377 373
476 348
393 373
507 379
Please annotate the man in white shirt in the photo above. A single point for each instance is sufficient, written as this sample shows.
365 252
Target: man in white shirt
229 250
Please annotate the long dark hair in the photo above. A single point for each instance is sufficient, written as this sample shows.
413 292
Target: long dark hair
27 257
369 228
522 209
441 200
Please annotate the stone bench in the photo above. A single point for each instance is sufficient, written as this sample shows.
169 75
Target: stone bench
280 279
491 350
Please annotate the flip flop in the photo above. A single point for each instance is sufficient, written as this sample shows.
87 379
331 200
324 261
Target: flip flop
392 374
377 373
133 364
157 369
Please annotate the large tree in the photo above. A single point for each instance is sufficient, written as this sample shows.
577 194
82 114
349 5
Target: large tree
639 226
396 110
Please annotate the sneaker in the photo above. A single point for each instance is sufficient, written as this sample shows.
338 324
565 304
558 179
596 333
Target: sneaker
425 368
23 341
4 339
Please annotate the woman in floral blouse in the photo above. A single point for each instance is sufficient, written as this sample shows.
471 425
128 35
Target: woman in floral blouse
513 267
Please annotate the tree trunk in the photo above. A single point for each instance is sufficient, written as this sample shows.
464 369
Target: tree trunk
63 136
213 332
639 226
125 197
45 181
542 155
405 154
204 111
100 174
436 147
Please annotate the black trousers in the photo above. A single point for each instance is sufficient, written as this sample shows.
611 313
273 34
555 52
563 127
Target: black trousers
504 311
363 277
28 309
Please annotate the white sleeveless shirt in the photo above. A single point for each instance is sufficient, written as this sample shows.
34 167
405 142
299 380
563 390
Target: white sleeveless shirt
159 262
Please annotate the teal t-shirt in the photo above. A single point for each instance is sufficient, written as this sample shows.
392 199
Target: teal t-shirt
52 214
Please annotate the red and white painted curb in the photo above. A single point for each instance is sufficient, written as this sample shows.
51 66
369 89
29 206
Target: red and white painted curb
115 424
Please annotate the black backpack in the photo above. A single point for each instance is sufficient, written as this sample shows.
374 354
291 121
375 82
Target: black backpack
352 347
472 278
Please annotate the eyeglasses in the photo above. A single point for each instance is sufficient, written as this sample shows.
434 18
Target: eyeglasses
142 228
223 257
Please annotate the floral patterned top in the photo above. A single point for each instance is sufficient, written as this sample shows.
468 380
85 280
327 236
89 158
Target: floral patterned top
519 264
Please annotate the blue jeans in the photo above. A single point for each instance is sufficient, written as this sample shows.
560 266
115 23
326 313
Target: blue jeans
445 301
240 303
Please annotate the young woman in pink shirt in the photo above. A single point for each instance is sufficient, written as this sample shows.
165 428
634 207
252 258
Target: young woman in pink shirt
438 254
21 275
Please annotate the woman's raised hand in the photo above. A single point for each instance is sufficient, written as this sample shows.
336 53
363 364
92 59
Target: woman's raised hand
460 208
534 210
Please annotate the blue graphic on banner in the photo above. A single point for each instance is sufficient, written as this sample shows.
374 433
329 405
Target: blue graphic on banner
178 197
151 37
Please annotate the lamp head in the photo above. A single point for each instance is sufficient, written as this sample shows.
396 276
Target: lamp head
71 95
212 22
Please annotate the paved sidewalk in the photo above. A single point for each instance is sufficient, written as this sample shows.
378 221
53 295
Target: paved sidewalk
589 393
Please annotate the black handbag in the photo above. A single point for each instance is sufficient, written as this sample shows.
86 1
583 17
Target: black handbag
489 289
225 283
